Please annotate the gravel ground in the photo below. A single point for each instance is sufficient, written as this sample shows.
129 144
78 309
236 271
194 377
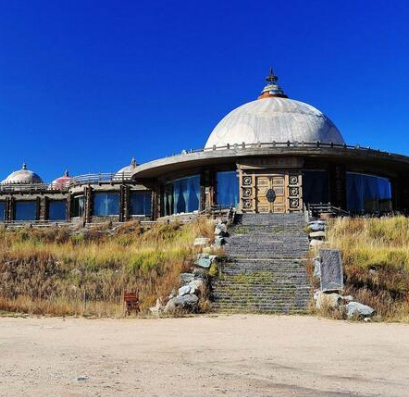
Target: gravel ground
240 355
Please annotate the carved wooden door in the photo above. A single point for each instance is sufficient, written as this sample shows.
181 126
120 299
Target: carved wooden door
270 194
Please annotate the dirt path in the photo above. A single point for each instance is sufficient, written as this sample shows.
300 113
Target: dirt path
242 355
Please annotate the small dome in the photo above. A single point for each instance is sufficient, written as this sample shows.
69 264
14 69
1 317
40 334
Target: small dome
61 182
23 176
274 118
129 169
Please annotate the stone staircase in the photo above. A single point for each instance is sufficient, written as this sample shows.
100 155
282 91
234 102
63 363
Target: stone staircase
265 266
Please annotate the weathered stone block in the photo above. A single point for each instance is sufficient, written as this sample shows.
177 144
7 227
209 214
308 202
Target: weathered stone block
331 270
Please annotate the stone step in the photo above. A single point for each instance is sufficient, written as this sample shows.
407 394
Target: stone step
265 266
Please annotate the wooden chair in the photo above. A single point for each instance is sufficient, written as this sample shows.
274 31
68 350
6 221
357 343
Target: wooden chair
131 302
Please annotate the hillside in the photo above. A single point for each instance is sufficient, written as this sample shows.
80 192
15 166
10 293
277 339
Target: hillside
376 262
84 272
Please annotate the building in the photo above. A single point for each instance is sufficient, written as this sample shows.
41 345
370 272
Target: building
273 154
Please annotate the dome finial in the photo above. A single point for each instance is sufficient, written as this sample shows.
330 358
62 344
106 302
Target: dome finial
66 173
272 89
271 78
133 162
24 167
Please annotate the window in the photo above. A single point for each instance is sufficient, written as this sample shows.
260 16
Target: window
106 204
25 211
57 210
78 206
368 193
315 187
140 203
227 190
2 210
182 195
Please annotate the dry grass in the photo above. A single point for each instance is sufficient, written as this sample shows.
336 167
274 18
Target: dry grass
376 258
58 272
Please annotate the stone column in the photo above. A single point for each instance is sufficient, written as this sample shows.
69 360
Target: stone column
44 208
88 204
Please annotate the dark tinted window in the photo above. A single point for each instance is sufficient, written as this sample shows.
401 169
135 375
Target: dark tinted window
78 206
140 203
57 210
26 211
368 193
315 187
106 204
227 189
2 210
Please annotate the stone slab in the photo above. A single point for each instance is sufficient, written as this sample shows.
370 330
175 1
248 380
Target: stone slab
332 277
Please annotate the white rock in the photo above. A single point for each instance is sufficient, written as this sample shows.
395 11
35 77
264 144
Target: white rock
316 243
220 230
356 309
201 242
185 290
327 300
317 234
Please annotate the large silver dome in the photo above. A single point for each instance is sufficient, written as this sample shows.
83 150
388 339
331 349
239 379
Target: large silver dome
23 176
274 119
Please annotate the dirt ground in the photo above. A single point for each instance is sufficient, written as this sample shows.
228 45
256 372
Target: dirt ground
241 355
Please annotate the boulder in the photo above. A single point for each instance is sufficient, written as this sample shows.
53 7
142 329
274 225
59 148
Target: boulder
327 300
219 242
158 308
358 310
317 268
192 288
185 290
182 304
196 285
205 260
201 242
316 226
317 235
220 230
186 278
316 243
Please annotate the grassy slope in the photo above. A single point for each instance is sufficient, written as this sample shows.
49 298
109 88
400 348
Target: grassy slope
376 258
51 271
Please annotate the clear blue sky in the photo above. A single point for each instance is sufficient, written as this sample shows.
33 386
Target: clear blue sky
87 84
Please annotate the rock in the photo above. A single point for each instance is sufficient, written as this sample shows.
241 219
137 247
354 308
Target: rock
205 260
316 243
201 242
358 310
158 308
192 288
219 242
82 378
317 235
327 300
196 284
317 268
185 290
220 230
186 278
316 226
182 304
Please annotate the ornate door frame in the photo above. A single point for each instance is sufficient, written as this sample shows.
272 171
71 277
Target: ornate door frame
287 169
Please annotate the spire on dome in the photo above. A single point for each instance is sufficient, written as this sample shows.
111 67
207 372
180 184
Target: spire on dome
133 162
66 173
24 167
272 89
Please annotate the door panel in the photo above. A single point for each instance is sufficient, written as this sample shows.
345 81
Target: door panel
263 185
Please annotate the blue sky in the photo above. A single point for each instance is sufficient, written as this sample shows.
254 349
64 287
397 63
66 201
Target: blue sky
87 84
